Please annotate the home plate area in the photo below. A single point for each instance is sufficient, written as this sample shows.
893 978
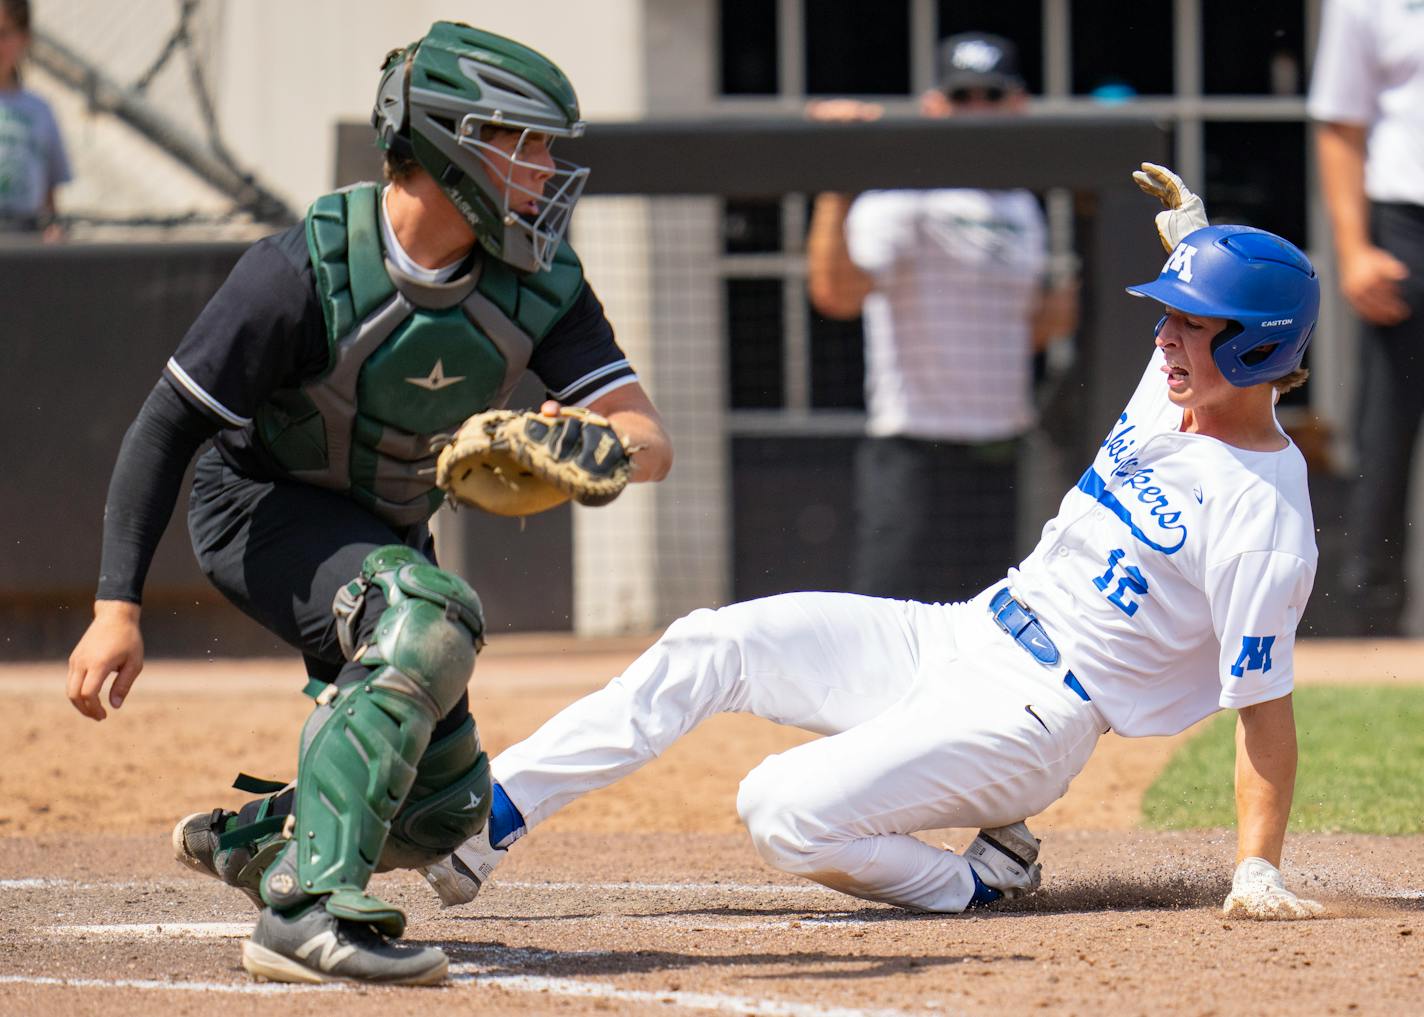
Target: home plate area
600 923
646 897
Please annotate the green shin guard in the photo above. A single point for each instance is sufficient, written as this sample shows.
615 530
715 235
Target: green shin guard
358 768
448 804
351 779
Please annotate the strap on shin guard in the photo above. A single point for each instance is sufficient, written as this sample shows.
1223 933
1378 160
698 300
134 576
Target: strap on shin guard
353 776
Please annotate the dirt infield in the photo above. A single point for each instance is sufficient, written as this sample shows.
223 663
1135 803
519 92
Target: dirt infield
646 896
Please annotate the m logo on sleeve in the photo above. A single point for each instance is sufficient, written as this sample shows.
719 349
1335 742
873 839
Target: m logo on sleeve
1255 655
1181 262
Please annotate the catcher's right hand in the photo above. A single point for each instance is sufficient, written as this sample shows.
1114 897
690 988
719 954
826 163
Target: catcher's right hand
1259 892
519 463
1185 211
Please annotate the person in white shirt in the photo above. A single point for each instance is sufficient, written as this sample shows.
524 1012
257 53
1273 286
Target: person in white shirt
950 283
1367 98
1168 586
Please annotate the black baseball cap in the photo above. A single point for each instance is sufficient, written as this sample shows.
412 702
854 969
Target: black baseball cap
978 60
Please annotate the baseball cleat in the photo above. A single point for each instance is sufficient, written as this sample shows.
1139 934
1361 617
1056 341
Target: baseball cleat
195 844
1005 858
313 945
458 879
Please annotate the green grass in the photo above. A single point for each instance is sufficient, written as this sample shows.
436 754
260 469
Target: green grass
1361 766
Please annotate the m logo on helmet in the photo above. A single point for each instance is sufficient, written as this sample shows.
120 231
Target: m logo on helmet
1181 262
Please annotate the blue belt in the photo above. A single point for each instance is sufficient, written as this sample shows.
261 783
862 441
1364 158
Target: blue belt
1021 623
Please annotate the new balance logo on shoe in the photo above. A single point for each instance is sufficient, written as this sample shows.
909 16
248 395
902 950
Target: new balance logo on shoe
313 945
332 952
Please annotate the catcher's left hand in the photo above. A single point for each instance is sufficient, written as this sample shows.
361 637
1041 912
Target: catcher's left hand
516 463
1259 892
1185 211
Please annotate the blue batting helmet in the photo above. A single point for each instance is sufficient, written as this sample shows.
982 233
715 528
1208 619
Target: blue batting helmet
1263 285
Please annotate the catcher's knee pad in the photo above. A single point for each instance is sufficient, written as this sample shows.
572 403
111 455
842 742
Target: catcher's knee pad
424 643
447 805
358 765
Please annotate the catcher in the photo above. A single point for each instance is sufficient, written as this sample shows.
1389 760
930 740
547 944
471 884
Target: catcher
330 370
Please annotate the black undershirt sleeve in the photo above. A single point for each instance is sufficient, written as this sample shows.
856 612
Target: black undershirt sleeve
144 487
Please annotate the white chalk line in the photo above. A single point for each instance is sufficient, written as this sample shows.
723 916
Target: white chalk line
672 887
156 930
713 923
237 988
711 1001
56 883
477 975
720 924
241 930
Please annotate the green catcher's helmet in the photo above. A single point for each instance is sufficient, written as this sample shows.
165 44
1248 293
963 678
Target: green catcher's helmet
435 97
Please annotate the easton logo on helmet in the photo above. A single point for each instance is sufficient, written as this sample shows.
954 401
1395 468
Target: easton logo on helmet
1278 321
1181 261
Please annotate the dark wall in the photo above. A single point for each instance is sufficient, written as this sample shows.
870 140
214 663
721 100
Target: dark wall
85 332
781 544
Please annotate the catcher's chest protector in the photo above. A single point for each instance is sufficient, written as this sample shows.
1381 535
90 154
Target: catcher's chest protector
409 360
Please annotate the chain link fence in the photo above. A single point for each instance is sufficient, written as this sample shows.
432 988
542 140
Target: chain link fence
133 86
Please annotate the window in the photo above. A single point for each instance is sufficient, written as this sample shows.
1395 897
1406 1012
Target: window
1122 46
751 227
837 363
749 42
1255 175
1253 49
857 48
755 334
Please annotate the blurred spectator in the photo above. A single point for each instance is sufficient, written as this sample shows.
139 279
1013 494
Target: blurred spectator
1368 99
32 158
950 282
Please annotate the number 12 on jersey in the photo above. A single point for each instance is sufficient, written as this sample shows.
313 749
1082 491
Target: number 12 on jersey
1130 580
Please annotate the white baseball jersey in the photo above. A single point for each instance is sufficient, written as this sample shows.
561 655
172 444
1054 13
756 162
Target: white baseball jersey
947 327
1175 572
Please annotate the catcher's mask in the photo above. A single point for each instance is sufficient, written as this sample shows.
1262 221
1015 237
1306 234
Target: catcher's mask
1262 284
435 98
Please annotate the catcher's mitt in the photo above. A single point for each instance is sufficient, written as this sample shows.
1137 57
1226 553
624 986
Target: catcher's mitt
515 463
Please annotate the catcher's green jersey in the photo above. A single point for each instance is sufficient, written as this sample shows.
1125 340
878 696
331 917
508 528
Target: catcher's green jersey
408 360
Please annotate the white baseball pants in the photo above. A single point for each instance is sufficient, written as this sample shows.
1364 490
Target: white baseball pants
934 718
